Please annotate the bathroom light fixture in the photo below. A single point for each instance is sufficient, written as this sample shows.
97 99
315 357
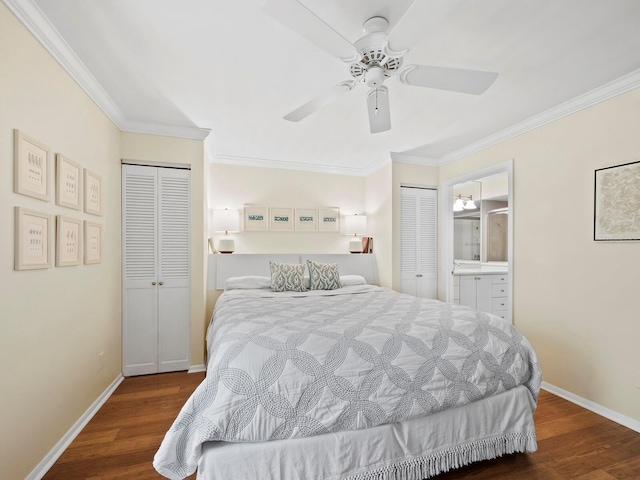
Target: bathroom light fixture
354 225
226 221
459 205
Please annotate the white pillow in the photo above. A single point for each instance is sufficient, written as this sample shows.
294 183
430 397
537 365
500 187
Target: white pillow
236 283
349 280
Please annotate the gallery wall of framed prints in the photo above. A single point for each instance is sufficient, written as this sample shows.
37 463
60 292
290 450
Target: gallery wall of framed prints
64 237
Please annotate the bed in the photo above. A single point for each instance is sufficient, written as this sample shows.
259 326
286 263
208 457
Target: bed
352 382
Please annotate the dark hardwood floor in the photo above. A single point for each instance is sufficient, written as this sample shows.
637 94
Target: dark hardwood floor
122 438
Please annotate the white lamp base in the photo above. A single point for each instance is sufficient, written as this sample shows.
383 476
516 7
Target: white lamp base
226 245
355 245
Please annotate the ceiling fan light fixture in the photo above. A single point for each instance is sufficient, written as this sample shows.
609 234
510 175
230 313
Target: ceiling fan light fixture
374 76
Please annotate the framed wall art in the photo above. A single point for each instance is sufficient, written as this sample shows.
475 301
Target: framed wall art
68 183
31 167
617 203
306 220
329 219
68 241
92 243
281 219
256 218
32 239
92 193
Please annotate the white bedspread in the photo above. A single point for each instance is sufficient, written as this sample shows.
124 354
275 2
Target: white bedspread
290 366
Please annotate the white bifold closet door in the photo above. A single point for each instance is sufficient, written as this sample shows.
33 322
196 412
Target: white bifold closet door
156 269
419 241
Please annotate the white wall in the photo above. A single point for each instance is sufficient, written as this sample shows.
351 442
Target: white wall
379 210
574 298
54 322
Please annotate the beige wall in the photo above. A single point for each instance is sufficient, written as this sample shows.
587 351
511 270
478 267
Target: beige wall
233 186
54 322
379 210
574 298
159 149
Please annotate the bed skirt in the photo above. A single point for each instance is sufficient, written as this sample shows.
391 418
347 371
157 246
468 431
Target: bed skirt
410 450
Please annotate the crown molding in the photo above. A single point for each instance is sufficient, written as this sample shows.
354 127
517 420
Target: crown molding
37 23
398 157
605 92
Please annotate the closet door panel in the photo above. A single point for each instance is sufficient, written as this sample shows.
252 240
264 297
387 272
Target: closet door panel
174 300
140 294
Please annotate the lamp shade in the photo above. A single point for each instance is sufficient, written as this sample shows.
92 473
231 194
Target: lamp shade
355 224
225 220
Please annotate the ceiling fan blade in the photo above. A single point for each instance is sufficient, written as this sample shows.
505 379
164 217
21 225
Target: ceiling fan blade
320 101
420 18
378 106
297 17
475 82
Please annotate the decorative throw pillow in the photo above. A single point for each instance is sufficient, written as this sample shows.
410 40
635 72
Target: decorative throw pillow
287 277
324 276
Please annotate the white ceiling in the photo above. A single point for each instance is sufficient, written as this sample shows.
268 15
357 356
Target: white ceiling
229 67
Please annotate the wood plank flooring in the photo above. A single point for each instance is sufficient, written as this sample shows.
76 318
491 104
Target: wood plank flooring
122 438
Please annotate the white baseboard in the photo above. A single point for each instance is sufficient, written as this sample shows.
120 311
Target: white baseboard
197 368
594 407
47 462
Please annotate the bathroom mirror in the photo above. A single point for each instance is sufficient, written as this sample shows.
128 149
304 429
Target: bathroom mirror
481 234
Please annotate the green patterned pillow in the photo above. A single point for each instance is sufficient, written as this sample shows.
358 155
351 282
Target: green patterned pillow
324 276
287 277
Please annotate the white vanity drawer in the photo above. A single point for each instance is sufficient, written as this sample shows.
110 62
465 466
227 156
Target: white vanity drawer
499 304
504 314
499 290
500 279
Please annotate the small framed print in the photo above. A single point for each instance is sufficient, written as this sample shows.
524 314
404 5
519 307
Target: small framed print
92 243
329 219
68 241
281 219
68 183
256 218
92 193
31 167
306 220
32 240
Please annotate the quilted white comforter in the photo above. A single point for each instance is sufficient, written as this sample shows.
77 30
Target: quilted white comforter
286 366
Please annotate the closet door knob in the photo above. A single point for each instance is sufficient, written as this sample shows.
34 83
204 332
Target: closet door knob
153 283
160 283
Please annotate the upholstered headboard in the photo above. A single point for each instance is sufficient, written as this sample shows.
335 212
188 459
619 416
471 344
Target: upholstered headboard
222 266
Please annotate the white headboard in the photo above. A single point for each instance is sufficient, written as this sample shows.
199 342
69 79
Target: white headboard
222 266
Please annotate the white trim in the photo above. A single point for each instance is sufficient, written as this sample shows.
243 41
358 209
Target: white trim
446 223
594 407
605 92
397 157
197 368
47 462
34 19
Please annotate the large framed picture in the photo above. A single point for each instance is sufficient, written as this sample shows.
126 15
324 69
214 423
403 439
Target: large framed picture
281 219
68 241
92 243
306 220
92 193
32 239
31 167
256 218
329 219
617 203
68 183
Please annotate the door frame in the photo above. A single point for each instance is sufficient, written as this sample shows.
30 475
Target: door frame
446 227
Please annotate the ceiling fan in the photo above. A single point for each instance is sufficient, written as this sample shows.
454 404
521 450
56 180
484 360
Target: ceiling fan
378 55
